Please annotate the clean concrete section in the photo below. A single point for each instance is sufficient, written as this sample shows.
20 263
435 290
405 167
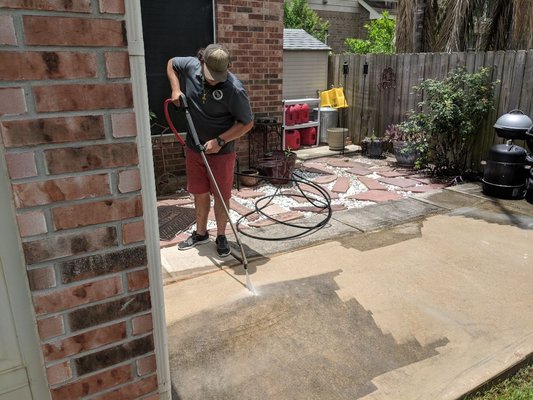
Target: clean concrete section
428 305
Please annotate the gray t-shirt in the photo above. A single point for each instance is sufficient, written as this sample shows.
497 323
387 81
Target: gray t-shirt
214 109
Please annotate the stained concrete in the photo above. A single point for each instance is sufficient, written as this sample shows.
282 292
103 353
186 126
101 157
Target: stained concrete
429 306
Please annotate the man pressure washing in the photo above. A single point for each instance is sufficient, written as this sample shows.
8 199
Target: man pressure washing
221 113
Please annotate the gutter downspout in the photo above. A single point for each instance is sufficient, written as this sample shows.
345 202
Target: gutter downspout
144 144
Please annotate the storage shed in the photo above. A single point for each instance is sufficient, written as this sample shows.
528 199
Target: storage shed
305 64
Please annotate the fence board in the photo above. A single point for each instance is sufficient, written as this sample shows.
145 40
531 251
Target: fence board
371 108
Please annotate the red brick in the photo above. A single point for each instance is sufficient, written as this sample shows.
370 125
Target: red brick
57 246
132 390
142 324
117 64
21 165
46 192
124 125
83 342
31 223
52 130
102 264
78 159
109 311
22 66
7 31
146 365
62 31
129 181
138 280
50 327
96 213
82 97
112 6
42 278
59 373
64 299
49 5
114 355
93 384
12 101
133 232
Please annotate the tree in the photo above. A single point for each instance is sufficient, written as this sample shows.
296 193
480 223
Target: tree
380 37
460 25
298 15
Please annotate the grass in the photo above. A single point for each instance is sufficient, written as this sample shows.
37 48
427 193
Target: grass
516 387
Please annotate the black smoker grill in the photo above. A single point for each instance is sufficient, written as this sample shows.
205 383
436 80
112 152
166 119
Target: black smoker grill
507 165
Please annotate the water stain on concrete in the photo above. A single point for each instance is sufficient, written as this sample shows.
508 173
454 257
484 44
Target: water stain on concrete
296 340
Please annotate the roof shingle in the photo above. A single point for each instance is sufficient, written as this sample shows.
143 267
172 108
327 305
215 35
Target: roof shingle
298 39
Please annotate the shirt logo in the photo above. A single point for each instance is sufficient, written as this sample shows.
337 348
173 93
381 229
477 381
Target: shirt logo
218 95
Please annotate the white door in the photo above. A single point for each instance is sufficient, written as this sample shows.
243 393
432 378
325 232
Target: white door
20 358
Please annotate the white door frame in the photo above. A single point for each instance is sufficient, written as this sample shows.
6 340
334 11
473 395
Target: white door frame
18 289
144 144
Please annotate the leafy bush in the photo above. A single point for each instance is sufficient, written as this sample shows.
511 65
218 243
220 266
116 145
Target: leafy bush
451 113
380 37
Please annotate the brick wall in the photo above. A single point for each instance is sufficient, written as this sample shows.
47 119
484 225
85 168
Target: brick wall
253 32
68 129
344 25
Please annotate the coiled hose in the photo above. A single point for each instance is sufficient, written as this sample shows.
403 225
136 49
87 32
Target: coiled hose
323 203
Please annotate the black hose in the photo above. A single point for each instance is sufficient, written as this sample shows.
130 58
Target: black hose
321 203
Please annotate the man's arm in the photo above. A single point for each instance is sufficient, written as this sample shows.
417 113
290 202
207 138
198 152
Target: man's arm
174 81
233 133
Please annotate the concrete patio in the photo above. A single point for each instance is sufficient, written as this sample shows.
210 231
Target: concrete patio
427 297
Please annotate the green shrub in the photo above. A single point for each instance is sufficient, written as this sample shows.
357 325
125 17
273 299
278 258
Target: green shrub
380 37
451 113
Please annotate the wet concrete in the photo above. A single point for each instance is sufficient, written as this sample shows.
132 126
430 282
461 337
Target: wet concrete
428 305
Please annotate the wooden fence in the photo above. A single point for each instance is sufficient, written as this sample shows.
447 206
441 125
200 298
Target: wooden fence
385 94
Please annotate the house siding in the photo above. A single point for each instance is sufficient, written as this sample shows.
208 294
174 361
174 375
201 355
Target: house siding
68 129
304 73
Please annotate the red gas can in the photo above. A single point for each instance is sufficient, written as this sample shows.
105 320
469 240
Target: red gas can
290 116
297 110
308 136
292 139
304 113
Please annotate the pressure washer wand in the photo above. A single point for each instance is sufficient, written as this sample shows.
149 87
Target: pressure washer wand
201 147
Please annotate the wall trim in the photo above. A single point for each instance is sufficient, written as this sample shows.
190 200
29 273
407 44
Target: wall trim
144 143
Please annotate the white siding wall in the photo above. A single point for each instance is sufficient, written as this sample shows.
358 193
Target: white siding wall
304 72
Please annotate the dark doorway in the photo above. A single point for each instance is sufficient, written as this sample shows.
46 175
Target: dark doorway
172 28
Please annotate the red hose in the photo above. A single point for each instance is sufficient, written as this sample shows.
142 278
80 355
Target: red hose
169 121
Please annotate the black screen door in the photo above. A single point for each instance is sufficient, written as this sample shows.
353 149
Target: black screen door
172 28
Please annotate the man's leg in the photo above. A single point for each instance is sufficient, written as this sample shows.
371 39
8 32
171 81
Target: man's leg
220 215
202 204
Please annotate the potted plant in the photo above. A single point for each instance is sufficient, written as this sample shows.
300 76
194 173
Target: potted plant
373 146
409 141
278 165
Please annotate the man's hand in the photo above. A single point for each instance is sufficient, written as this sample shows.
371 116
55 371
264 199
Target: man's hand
175 97
212 147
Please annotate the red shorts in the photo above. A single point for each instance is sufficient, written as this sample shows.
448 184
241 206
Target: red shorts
222 166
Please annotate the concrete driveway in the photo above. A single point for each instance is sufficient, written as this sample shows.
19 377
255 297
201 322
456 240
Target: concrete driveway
424 298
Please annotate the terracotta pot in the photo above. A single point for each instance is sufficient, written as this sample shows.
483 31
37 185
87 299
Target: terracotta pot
249 177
